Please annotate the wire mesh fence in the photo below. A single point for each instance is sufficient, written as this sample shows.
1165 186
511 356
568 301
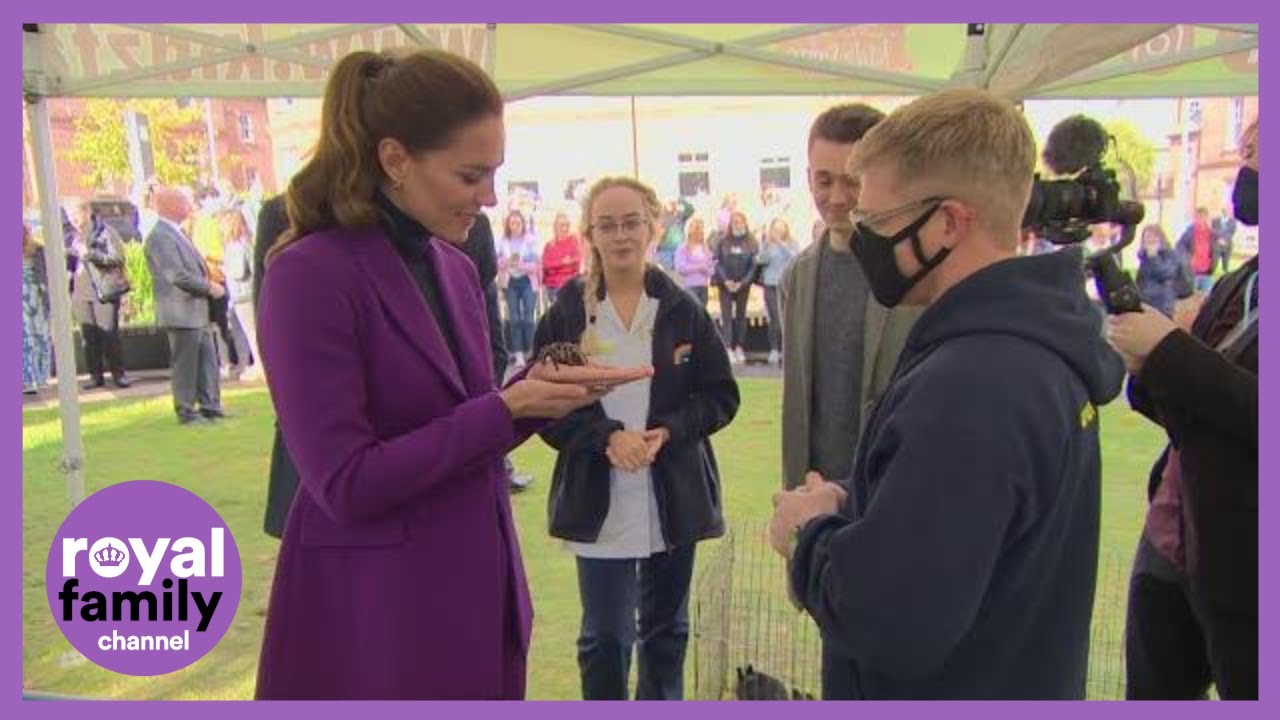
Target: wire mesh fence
749 642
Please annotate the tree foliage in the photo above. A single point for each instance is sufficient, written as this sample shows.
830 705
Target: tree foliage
100 145
1131 149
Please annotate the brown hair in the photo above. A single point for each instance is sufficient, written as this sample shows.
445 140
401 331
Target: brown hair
506 224
595 271
844 124
1157 231
753 243
234 226
419 99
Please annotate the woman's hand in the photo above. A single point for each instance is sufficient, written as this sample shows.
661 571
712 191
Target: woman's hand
1135 335
628 450
655 438
591 375
532 398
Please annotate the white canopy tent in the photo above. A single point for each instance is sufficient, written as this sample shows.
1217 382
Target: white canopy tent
287 60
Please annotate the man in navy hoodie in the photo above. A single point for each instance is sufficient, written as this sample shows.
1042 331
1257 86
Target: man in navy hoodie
959 560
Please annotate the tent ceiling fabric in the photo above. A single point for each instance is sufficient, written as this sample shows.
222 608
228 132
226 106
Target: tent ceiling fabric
1041 54
267 60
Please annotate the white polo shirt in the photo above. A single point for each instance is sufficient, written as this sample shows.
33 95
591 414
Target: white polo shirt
632 528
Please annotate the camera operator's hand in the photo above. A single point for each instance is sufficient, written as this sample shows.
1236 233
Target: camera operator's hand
1186 310
1134 335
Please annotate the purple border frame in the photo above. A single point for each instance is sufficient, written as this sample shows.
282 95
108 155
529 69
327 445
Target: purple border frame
583 11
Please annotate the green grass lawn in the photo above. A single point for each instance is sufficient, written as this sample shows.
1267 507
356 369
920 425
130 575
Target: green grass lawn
226 464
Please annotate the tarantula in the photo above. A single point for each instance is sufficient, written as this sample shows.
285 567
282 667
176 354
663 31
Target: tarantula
562 353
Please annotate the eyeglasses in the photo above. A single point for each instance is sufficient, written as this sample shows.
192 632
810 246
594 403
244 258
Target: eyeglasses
857 217
609 228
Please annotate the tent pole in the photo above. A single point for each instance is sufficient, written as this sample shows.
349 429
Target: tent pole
635 142
72 466
491 49
212 139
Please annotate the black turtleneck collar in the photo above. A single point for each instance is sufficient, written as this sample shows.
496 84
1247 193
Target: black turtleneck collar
409 236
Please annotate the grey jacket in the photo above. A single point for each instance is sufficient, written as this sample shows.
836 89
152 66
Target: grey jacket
103 250
884 335
179 277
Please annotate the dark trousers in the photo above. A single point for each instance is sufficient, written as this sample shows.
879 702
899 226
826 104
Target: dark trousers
612 592
1166 657
102 341
775 317
282 485
218 311
1222 254
733 316
699 292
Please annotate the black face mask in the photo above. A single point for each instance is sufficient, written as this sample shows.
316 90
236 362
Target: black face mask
1245 196
875 253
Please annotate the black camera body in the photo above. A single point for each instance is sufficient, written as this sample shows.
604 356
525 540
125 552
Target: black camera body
1062 210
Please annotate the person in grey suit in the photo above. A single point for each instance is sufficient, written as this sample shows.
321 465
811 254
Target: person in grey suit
840 346
182 291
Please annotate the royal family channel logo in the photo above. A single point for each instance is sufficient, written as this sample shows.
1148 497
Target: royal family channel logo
143 578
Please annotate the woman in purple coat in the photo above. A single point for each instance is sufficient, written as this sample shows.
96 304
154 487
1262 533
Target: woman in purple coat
399 574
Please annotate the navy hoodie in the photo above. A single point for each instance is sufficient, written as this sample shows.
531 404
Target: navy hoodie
964 565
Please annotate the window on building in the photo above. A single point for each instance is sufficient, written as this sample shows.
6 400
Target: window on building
693 174
775 173
246 127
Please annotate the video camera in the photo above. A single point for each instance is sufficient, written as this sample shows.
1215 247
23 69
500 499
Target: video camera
1063 210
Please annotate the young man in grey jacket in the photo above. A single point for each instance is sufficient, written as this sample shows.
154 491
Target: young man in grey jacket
828 386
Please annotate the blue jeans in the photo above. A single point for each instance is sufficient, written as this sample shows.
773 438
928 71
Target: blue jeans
775 317
521 301
667 258
612 591
1204 283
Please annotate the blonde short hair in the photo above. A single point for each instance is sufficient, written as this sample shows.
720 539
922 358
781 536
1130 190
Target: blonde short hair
967 144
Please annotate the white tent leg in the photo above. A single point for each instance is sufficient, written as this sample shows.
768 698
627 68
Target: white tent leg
60 300
635 142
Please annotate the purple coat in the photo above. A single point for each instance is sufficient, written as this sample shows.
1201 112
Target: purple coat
399 575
